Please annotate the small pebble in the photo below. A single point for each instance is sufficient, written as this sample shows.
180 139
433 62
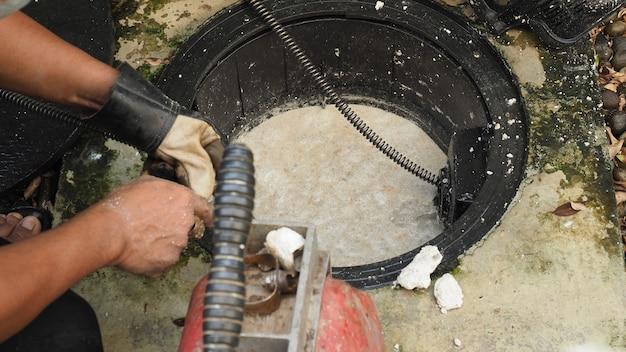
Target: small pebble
621 210
619 44
615 29
610 100
617 123
619 174
619 60
603 50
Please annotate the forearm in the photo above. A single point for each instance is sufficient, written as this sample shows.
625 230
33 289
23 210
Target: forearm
35 272
36 62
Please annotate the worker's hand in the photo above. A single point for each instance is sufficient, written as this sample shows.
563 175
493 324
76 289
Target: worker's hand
154 218
195 149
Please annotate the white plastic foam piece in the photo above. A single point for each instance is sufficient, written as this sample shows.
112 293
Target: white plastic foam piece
282 243
448 293
417 274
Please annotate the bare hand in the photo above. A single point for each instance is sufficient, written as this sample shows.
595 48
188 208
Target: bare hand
154 218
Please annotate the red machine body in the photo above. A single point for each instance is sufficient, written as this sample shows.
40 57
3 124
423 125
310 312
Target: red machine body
348 320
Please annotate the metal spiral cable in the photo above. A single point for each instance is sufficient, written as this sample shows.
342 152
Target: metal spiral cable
48 110
40 108
341 104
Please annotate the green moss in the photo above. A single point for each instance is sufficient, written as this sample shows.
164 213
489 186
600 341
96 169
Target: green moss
87 179
131 24
150 72
155 5
145 70
567 127
123 8
184 14
457 272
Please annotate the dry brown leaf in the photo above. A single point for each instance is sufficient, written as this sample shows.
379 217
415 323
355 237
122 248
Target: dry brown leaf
619 186
612 138
32 187
615 148
612 87
620 197
594 33
155 61
622 102
566 209
622 12
608 76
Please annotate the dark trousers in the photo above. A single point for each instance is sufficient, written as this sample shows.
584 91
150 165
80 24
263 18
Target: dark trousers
66 325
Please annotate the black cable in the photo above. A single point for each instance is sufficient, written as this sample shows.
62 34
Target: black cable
49 110
40 107
341 104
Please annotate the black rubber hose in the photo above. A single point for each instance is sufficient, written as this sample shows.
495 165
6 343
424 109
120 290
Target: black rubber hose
225 293
339 102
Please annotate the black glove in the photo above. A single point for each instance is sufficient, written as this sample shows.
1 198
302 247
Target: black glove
137 113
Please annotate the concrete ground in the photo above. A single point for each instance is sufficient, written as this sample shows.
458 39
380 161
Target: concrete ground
538 282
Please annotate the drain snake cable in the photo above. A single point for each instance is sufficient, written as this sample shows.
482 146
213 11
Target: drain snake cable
341 105
49 110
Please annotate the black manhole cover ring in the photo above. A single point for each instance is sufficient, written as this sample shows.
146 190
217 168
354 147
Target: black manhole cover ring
413 57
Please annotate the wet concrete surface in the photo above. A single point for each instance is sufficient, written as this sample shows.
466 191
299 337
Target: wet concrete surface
312 167
537 283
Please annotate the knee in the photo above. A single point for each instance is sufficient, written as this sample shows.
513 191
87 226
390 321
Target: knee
68 324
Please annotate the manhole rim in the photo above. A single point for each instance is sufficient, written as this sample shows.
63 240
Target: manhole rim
475 223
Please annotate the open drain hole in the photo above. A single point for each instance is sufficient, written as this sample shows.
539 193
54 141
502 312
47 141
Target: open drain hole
412 59
311 167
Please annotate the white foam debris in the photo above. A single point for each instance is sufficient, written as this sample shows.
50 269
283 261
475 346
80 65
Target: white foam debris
417 273
457 342
511 101
282 243
379 5
448 293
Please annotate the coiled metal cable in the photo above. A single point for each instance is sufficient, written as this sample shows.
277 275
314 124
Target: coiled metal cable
339 102
49 111
40 108
225 292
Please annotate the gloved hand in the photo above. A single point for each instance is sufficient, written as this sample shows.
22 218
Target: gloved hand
195 149
139 114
